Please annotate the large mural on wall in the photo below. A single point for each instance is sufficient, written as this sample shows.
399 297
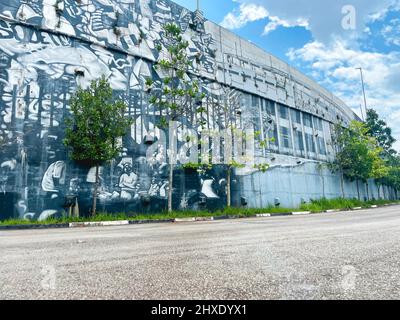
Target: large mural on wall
40 70
50 47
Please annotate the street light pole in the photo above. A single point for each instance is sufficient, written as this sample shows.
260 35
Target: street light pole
363 88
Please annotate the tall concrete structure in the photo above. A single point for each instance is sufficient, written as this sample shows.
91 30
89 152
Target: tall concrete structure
49 47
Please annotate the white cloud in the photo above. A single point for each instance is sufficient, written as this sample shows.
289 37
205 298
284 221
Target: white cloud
276 22
245 14
334 66
391 32
323 18
250 12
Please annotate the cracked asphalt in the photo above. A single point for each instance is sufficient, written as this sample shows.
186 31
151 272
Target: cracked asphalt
353 255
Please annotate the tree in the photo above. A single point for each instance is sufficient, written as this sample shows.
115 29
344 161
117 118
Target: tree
229 109
392 178
358 155
379 166
177 96
378 129
94 127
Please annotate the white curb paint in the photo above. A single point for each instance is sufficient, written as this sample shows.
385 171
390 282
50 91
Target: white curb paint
185 220
374 206
301 213
357 208
332 210
98 224
263 215
116 223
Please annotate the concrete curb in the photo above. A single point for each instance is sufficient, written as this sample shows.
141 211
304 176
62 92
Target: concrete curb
301 213
263 215
199 219
176 220
98 224
281 214
35 226
227 217
151 221
185 220
194 219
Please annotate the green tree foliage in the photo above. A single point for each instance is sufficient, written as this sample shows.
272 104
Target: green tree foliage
178 96
93 129
393 176
358 155
378 129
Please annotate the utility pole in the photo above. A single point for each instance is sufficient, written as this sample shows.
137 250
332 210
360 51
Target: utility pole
363 88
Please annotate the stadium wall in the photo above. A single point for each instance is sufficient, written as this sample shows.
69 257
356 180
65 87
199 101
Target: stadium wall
49 47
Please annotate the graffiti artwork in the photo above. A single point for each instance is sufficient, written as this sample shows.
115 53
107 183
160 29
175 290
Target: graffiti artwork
41 67
50 47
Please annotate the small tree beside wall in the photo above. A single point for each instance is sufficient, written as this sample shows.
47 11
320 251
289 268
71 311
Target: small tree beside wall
358 155
93 129
176 96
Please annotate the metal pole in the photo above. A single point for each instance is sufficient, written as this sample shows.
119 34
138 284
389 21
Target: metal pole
198 5
362 112
363 88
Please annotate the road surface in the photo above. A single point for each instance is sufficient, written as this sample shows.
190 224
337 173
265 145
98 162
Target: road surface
329 256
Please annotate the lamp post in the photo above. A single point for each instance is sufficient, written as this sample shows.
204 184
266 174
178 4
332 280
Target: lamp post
363 89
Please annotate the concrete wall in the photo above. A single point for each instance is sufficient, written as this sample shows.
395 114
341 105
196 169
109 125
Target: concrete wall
292 184
50 47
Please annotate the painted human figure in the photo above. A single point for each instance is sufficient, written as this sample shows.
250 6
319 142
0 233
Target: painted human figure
158 188
128 182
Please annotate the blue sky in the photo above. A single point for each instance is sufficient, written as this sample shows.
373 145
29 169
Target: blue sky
327 40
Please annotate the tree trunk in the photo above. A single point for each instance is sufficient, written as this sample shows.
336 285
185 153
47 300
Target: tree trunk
379 191
358 191
96 188
228 189
342 184
170 186
367 185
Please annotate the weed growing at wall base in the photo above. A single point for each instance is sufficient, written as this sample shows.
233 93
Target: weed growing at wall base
315 206
340 204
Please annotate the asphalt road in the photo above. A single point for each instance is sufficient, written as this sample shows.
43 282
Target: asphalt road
332 256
